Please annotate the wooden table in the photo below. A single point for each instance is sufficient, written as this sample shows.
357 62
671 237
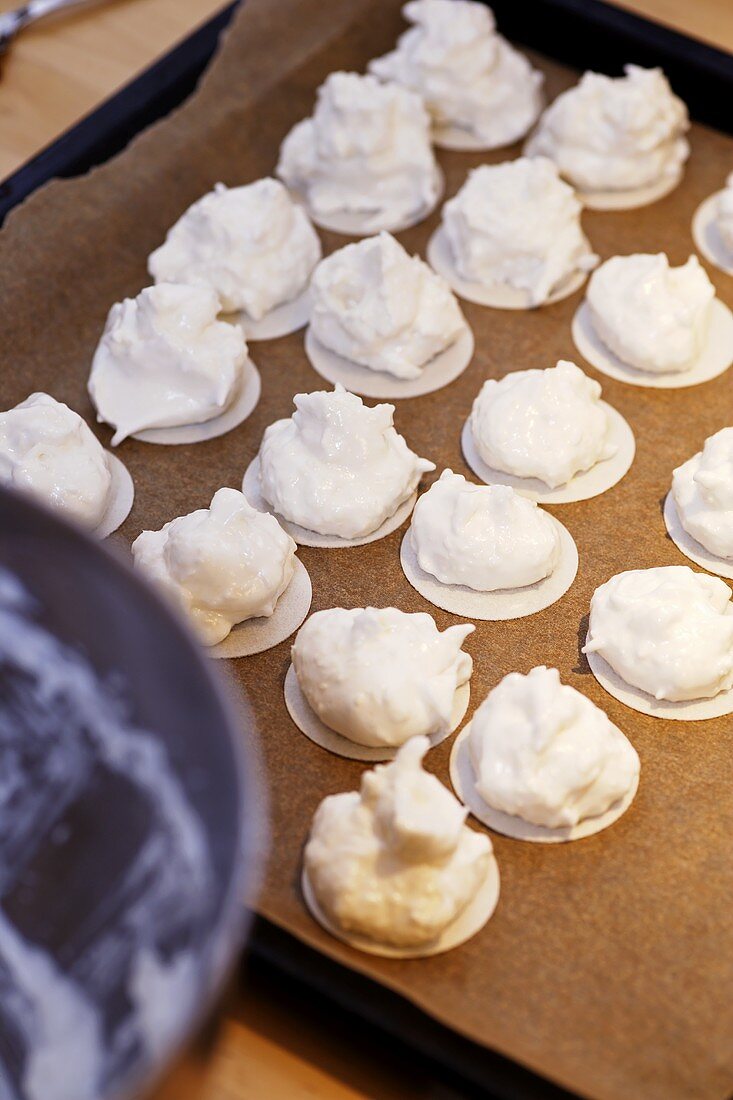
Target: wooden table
275 1042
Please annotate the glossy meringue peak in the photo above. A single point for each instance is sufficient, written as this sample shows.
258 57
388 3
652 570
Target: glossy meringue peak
164 360
615 133
546 424
379 676
486 537
395 860
543 752
337 466
653 316
366 149
668 631
517 224
377 306
252 245
469 77
48 451
219 565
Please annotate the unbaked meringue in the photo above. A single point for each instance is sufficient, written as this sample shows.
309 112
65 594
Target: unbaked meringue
543 752
547 424
486 537
395 861
469 77
47 450
652 316
517 224
615 133
668 631
724 214
378 306
365 150
337 466
253 245
703 493
379 676
164 360
220 565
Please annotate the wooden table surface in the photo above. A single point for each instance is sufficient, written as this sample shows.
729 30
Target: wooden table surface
275 1042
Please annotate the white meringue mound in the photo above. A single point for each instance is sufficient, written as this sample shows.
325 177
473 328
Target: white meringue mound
365 150
48 451
379 676
337 466
724 214
395 861
654 317
667 631
377 306
486 537
702 489
219 565
615 133
547 424
164 360
543 752
253 245
517 224
469 77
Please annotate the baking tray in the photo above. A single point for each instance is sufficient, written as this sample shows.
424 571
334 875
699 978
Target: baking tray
592 33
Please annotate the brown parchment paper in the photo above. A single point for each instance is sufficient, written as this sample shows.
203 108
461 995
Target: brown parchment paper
608 964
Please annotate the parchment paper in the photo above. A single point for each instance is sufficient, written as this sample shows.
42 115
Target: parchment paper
608 964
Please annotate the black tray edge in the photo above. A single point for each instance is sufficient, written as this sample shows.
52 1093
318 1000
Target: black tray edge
382 1018
591 34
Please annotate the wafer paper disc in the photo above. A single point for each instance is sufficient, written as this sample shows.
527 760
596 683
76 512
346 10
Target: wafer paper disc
601 477
706 236
311 725
439 372
716 356
463 928
257 635
511 603
121 497
304 537
463 780
495 295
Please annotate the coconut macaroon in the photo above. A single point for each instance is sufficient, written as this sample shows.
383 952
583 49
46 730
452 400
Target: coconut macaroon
381 308
365 152
616 134
379 676
653 316
702 489
394 863
164 360
517 225
253 246
667 631
49 452
220 565
486 537
544 753
337 466
480 92
546 424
